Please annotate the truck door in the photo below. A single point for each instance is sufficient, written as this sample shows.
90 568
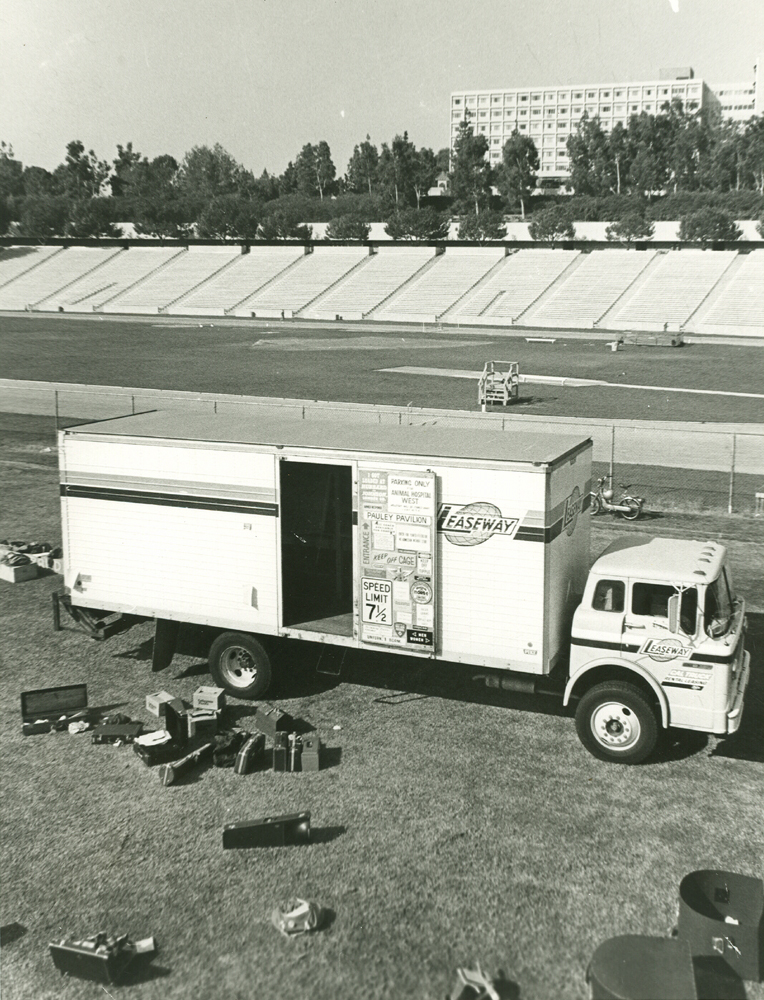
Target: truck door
397 571
316 518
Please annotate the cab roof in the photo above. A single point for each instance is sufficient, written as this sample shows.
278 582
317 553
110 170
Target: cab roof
538 449
669 560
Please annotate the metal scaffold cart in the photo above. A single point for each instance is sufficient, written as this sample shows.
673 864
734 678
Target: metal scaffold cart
499 384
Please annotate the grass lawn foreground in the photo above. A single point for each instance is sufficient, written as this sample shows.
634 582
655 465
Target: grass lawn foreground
453 824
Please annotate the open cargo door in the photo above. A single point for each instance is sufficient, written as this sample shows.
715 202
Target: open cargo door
397 575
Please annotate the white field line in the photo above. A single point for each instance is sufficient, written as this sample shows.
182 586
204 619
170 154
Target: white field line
563 380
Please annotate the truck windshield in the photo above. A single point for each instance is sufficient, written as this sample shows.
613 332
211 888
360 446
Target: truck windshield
719 606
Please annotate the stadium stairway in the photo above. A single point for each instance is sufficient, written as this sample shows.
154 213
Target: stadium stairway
201 283
584 292
363 289
671 291
522 317
110 304
474 288
317 299
17 261
90 263
55 273
735 307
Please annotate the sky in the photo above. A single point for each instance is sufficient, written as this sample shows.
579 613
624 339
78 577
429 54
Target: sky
264 77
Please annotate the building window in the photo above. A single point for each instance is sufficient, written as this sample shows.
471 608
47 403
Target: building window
483 114
496 114
509 98
496 128
535 127
562 111
523 113
535 98
619 93
578 95
649 108
536 112
649 92
471 102
457 100
605 93
483 99
495 142
635 107
550 97
577 110
591 109
496 100
664 92
549 125
523 98
605 109
523 128
482 128
692 105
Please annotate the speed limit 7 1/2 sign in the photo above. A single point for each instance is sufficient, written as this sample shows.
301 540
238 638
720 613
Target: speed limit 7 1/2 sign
377 596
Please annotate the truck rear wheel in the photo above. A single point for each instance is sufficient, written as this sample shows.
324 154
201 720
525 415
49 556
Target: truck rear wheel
616 722
240 664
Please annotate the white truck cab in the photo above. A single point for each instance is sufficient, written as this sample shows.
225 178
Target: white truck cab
657 641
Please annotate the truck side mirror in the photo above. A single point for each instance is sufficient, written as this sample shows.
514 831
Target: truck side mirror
673 613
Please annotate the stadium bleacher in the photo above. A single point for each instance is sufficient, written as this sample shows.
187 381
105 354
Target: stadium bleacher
451 276
299 285
610 288
738 308
168 283
119 273
366 287
57 272
233 285
15 261
513 287
672 290
589 290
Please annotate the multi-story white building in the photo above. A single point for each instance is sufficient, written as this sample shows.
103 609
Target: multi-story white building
742 99
550 114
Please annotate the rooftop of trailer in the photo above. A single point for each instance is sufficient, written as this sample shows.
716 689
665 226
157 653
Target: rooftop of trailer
345 435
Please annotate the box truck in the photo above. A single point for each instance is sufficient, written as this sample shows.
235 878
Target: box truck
430 542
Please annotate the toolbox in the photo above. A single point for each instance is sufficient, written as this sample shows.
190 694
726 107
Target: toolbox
271 720
52 708
157 748
124 732
100 959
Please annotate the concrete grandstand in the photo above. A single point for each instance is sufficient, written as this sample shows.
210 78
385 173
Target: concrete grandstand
583 287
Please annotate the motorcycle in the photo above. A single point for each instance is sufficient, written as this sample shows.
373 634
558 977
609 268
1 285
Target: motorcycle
627 506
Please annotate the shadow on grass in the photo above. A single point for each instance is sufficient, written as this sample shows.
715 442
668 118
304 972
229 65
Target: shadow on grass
11 932
326 834
142 972
679 744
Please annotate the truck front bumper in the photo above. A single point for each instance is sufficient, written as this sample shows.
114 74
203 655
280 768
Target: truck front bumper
735 714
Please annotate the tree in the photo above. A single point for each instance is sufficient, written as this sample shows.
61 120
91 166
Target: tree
754 151
482 228
208 173
169 218
395 170
760 227
418 224
43 217
709 225
632 226
314 169
592 170
39 183
551 225
11 174
92 217
348 227
82 175
283 222
443 159
471 175
124 168
362 167
620 154
424 170
228 217
517 174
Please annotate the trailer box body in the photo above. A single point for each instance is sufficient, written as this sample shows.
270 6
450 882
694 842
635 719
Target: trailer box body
422 540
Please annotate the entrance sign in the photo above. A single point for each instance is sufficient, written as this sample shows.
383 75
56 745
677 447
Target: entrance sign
397 518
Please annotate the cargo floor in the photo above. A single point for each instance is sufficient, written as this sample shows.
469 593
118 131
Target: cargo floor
335 625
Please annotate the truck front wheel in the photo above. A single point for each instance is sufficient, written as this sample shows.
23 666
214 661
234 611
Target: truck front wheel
616 722
240 664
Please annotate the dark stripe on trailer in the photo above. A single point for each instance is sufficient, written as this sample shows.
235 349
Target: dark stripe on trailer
170 500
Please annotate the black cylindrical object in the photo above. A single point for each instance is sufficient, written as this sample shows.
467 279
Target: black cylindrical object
722 914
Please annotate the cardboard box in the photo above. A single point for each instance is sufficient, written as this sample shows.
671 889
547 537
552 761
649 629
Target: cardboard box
212 698
201 722
156 702
17 574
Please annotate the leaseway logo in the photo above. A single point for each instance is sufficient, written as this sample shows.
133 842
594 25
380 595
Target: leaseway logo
474 523
572 510
665 649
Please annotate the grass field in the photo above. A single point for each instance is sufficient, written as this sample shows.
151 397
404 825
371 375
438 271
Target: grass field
452 823
329 363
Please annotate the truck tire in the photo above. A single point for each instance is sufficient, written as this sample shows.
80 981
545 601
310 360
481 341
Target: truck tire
240 664
616 722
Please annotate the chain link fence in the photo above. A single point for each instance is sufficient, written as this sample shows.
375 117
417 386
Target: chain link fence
675 467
